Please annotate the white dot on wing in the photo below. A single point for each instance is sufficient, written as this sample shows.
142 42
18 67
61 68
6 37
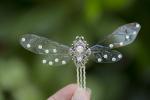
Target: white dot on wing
137 25
105 56
56 59
119 56
50 63
40 46
99 59
121 43
134 32
63 62
28 45
111 45
43 61
46 51
127 37
54 50
113 59
23 39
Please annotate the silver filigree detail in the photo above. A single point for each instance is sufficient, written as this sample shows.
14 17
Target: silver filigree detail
80 51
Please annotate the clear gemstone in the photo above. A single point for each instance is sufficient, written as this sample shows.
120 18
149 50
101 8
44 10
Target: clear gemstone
80 49
79 59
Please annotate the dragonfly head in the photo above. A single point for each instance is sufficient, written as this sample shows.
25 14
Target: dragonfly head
80 51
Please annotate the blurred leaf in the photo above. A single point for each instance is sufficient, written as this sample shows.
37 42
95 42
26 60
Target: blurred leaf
97 88
49 78
28 93
93 10
13 74
1 96
117 4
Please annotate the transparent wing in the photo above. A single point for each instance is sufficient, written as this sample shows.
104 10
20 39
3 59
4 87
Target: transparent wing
53 53
122 36
103 54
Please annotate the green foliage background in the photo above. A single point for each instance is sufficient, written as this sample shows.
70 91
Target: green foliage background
23 77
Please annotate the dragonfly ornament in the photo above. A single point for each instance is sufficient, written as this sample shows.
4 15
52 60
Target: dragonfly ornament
56 54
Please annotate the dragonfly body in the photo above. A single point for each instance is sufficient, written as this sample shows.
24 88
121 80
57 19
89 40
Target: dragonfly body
80 51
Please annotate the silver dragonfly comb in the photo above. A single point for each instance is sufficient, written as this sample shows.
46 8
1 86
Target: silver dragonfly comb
56 54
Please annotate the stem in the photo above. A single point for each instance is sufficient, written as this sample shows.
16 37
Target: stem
78 79
84 78
81 77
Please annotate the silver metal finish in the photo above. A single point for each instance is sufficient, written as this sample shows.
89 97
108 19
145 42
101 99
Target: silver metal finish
80 51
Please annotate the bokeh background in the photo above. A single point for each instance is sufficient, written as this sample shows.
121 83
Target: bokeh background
23 77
